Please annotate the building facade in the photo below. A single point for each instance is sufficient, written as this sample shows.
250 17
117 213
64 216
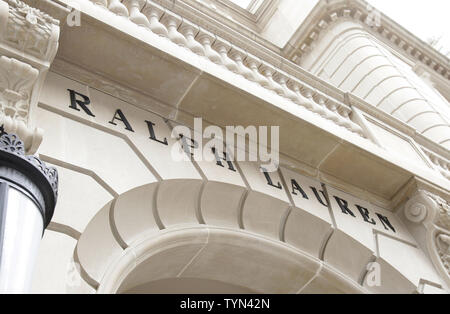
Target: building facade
358 201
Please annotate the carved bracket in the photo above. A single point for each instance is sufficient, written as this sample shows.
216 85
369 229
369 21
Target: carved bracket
433 212
28 45
28 31
16 82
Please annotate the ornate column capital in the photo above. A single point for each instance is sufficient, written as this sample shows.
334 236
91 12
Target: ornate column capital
433 213
28 45
29 173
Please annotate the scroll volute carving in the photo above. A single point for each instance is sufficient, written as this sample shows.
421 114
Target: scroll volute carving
433 212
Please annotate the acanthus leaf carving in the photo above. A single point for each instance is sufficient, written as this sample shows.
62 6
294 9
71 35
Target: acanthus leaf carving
443 246
443 215
28 45
16 83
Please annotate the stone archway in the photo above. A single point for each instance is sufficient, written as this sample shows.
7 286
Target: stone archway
127 246
186 286
235 258
227 260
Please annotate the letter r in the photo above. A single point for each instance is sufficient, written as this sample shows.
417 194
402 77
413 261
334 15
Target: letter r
74 102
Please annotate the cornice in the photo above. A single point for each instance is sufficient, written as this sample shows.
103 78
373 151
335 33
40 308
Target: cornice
232 30
265 12
224 9
442 164
256 19
146 102
264 51
329 12
259 64
436 80
318 96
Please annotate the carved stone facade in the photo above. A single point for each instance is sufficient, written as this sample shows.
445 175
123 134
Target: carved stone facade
130 215
28 45
11 143
433 213
31 31
16 83
442 236
350 57
375 21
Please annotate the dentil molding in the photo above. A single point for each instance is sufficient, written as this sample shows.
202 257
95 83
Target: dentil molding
329 12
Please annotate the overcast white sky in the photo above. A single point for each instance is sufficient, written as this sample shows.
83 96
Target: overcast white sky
423 18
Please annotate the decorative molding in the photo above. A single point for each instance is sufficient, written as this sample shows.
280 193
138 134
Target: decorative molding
32 138
229 29
96 81
249 58
442 234
327 13
11 143
255 17
441 164
443 245
443 214
30 31
28 45
247 65
16 83
263 52
432 212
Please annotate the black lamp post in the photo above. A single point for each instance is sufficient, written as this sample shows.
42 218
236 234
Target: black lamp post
28 194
